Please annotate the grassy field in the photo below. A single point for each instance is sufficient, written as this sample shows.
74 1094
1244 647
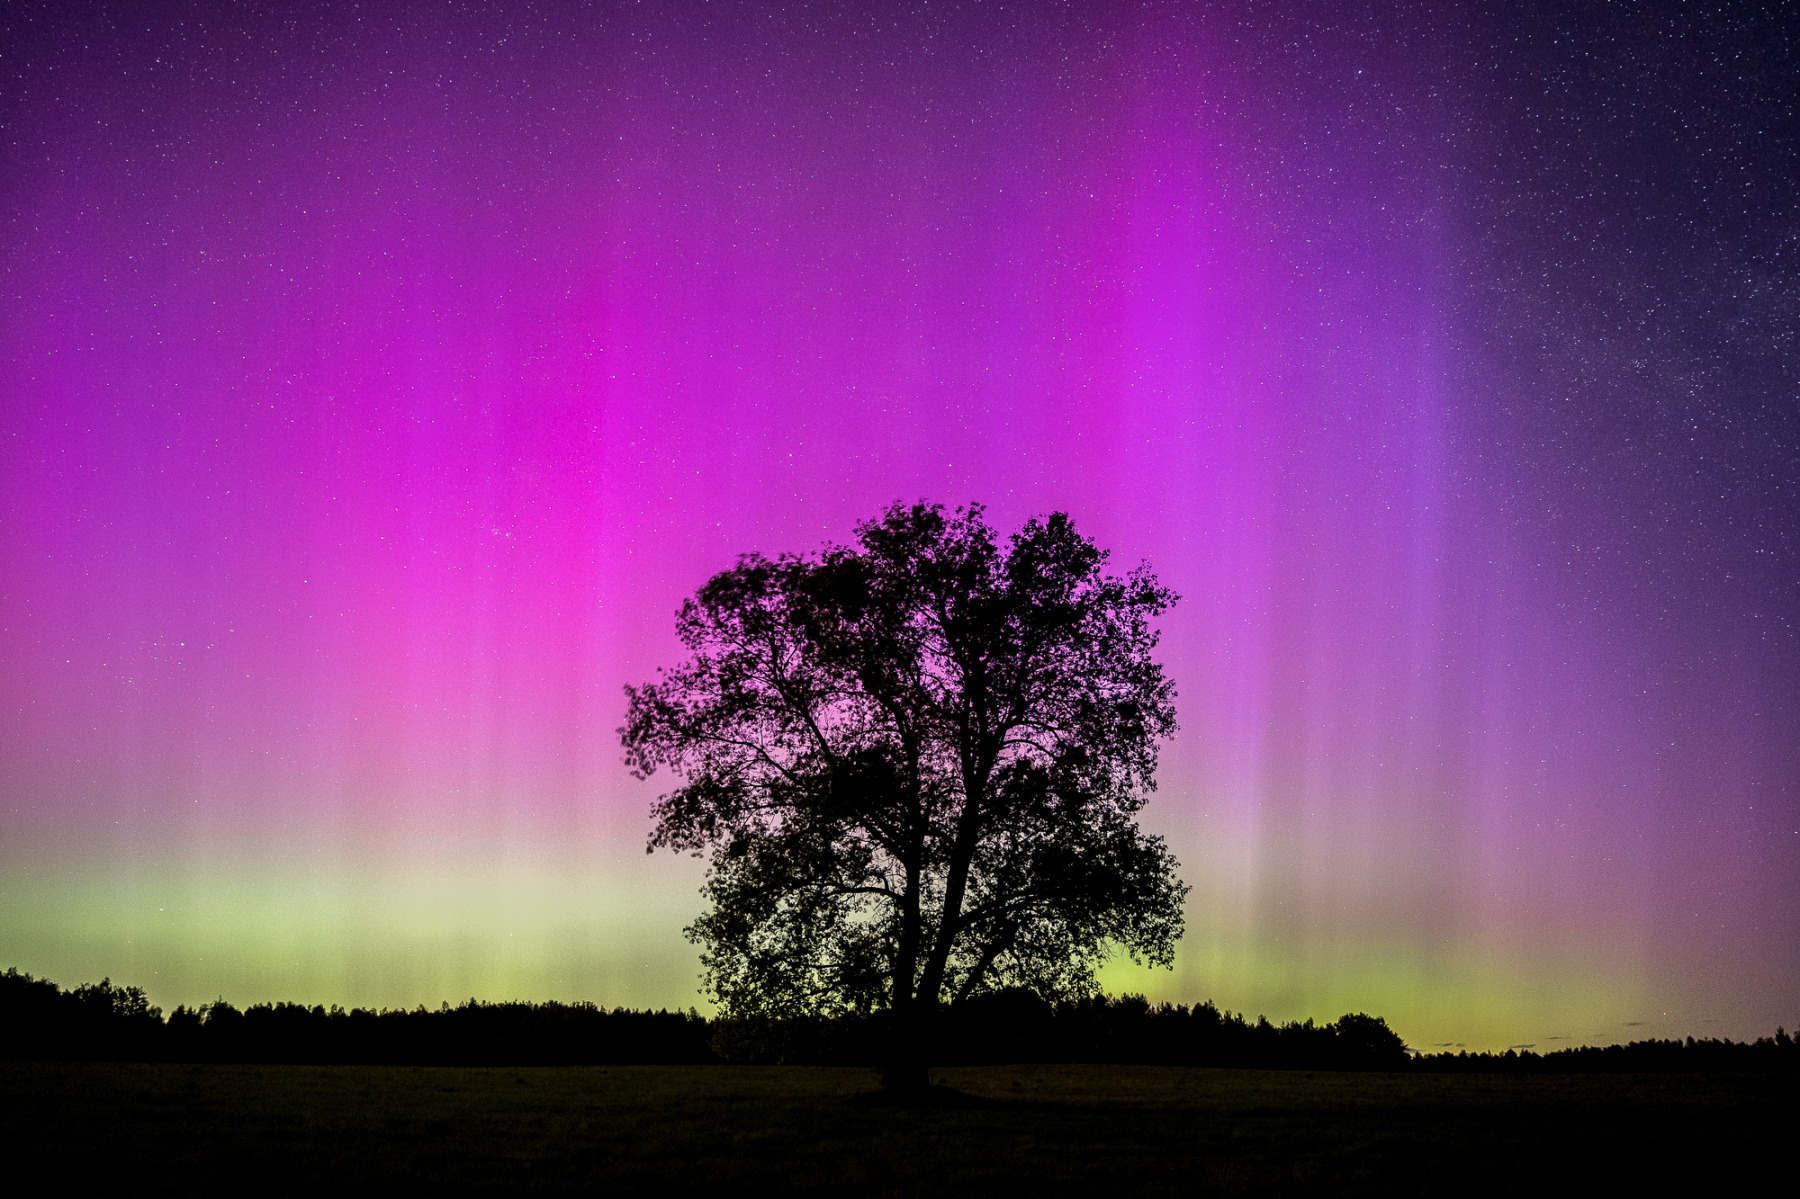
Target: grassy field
1050 1129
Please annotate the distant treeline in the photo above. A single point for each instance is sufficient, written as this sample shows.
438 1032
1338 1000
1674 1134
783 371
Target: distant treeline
1018 1026
102 1021
1779 1053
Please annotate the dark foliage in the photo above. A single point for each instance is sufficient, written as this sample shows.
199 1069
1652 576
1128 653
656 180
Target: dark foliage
916 764
1015 1026
1765 1054
95 1020
104 1022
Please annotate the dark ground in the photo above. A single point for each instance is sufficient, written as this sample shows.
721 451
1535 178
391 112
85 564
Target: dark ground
1048 1129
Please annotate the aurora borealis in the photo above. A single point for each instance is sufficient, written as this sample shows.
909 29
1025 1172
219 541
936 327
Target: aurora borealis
376 382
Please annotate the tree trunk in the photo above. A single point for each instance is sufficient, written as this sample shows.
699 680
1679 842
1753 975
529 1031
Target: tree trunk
906 1070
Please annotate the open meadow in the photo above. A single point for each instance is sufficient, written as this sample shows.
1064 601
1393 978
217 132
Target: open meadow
1055 1129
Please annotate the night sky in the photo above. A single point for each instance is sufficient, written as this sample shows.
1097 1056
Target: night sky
376 381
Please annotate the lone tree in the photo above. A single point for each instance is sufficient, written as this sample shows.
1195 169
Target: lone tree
916 762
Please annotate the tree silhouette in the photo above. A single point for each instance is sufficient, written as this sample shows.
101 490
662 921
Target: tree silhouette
916 764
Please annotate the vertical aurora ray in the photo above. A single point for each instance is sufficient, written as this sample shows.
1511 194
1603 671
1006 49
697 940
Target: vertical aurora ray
371 394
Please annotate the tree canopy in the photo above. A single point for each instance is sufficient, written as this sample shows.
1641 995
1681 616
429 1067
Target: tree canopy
916 764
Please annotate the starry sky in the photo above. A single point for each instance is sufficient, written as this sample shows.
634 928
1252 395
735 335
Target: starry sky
375 381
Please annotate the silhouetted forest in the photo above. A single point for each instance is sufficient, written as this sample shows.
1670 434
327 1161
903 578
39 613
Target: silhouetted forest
103 1021
1778 1053
1017 1026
